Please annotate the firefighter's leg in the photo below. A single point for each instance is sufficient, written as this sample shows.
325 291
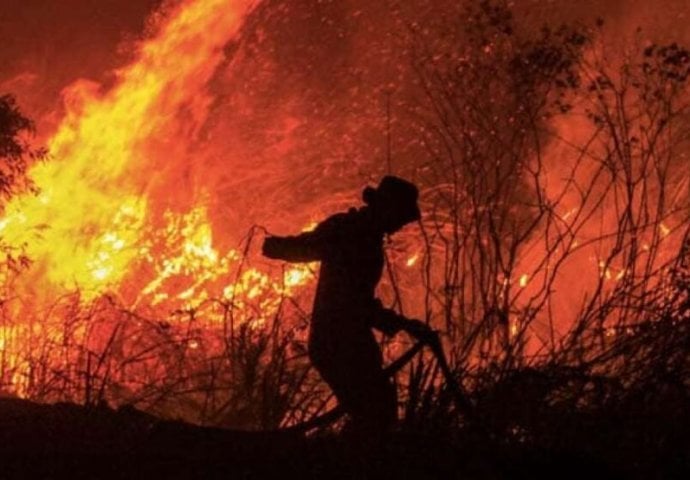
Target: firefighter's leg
364 391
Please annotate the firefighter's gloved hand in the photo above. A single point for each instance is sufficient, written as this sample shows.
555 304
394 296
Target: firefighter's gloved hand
420 330
271 247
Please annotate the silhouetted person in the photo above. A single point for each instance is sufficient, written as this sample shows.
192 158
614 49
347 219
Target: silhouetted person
342 345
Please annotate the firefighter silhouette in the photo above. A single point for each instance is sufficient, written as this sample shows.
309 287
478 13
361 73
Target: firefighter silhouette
342 345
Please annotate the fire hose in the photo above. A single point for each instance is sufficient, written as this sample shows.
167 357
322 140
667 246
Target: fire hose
430 339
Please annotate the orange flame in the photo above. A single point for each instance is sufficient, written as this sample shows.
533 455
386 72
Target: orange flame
101 224
87 225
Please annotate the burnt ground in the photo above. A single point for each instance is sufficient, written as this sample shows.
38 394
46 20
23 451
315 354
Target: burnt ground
70 441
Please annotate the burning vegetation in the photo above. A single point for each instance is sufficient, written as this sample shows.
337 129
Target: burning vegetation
553 255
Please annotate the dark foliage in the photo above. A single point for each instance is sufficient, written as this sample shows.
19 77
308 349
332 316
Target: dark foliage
15 152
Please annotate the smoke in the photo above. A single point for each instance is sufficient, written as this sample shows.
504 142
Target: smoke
46 46
307 100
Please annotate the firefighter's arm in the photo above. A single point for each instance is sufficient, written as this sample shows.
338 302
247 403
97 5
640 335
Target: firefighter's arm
387 321
305 247
390 322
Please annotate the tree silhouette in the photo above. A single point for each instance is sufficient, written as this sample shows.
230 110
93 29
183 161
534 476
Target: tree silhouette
15 151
